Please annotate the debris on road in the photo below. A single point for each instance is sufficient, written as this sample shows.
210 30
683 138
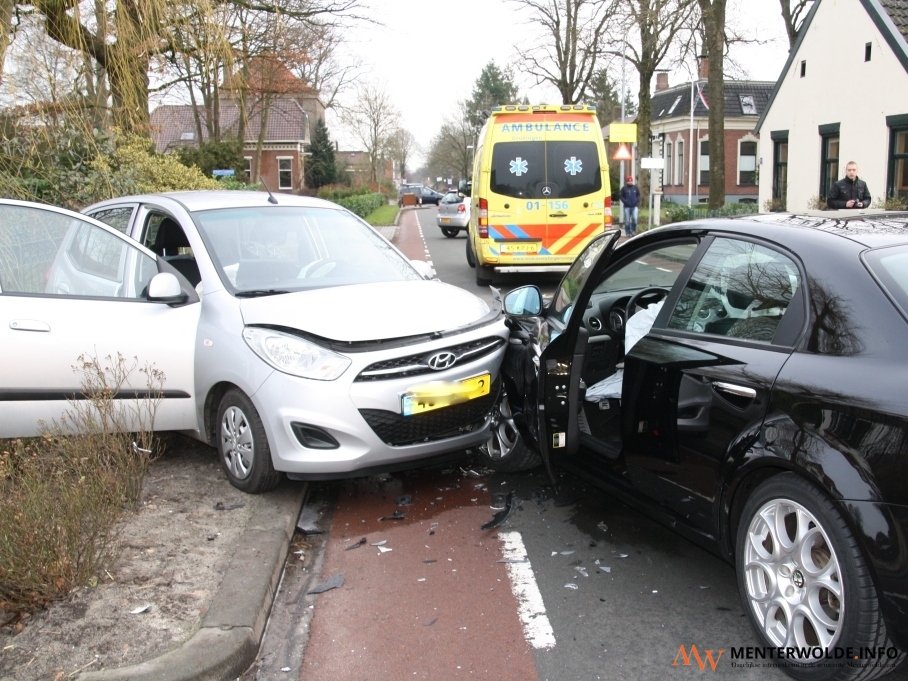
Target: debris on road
571 585
356 545
333 582
221 506
397 515
141 609
502 515
404 500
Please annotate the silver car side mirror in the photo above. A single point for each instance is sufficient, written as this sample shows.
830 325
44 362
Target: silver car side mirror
425 269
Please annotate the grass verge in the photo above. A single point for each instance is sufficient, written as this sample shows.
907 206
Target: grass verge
385 215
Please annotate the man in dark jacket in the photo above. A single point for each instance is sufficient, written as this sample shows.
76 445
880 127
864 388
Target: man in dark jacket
850 191
630 199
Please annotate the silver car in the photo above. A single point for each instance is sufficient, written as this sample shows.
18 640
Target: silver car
453 214
293 337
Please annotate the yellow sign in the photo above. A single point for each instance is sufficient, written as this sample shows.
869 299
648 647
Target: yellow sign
622 132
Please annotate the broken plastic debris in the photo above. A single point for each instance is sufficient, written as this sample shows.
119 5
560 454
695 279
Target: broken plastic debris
137 449
566 553
619 555
603 527
431 622
212 537
514 560
421 579
704 587
141 609
221 506
427 561
333 582
604 569
397 515
384 549
655 592
502 515
571 585
285 669
582 571
404 500
498 501
356 545
380 543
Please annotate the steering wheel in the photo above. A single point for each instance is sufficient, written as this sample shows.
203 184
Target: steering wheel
655 292
319 268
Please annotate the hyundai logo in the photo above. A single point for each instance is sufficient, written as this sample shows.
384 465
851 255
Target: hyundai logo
442 360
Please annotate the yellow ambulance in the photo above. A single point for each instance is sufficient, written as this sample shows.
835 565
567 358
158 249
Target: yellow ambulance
540 189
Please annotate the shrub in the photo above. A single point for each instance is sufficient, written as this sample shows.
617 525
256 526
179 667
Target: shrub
774 206
676 212
61 493
363 204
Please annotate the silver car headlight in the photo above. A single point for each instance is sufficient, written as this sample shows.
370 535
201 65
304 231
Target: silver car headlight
295 356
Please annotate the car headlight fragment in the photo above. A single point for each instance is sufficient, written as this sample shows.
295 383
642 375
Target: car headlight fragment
294 355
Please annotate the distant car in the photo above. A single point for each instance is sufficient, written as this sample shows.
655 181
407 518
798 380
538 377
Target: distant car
453 214
409 188
754 407
429 195
292 336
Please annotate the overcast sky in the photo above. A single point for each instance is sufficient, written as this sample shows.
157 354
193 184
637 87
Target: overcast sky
429 53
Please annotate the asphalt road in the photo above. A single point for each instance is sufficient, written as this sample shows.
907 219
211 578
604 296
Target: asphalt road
595 590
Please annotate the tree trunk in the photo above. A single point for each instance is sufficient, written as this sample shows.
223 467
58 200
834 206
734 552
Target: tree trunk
714 44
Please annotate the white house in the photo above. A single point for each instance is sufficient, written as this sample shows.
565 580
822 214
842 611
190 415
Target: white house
842 96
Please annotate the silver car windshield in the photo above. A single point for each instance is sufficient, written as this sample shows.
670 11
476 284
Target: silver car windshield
276 249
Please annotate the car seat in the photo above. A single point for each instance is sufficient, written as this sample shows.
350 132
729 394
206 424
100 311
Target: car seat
168 242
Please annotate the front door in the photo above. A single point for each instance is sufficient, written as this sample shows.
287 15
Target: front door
73 291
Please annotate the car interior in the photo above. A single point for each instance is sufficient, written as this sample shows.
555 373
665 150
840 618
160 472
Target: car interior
167 239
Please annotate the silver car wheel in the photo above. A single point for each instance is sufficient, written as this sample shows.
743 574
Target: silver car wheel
792 576
504 437
237 444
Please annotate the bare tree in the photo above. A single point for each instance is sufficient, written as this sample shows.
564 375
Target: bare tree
793 14
653 27
450 154
401 147
371 119
572 37
714 41
321 69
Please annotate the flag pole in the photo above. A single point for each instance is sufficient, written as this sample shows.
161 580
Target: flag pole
691 150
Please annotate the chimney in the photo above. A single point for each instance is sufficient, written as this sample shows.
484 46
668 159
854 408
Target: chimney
661 82
704 66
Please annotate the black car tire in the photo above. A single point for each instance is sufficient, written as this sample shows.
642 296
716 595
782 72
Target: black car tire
791 541
483 275
450 232
471 261
505 450
243 445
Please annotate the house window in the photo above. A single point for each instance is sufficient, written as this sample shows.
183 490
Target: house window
748 105
803 68
285 173
747 163
780 171
248 160
679 176
667 179
829 163
898 164
704 161
867 49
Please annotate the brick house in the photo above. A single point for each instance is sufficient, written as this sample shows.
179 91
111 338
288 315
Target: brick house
672 125
288 107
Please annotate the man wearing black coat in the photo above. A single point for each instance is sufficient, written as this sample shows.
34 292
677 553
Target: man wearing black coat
850 191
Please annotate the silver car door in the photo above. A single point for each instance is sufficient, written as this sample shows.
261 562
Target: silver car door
73 288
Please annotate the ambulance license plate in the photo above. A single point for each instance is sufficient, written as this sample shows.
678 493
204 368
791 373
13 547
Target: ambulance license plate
520 248
439 394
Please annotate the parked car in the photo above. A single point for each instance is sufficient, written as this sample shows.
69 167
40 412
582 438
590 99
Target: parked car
409 188
293 337
453 214
756 406
431 196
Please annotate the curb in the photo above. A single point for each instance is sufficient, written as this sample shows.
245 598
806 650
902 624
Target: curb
227 641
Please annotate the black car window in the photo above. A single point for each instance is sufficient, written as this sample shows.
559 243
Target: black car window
890 267
739 290
568 168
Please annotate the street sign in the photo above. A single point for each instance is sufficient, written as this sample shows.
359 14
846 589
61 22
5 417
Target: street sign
622 132
652 163
223 173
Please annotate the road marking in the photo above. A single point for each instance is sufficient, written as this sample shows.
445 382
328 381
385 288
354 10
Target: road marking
536 626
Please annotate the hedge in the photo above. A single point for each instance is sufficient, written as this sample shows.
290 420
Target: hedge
363 204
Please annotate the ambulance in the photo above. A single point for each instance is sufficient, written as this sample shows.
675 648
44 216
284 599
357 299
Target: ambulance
540 189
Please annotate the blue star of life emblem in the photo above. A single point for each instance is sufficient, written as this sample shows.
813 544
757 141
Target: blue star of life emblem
573 165
518 166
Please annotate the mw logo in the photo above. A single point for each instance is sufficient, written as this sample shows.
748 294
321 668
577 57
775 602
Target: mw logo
695 654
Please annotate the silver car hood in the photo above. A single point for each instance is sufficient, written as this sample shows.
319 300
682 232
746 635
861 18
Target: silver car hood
366 312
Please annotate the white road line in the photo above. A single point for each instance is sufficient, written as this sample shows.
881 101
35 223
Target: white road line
536 627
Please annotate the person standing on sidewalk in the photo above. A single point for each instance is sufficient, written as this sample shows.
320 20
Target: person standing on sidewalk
849 192
630 199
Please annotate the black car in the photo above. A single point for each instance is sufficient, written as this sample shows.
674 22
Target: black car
429 195
757 405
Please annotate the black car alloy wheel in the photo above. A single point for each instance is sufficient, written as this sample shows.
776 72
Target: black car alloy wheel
505 450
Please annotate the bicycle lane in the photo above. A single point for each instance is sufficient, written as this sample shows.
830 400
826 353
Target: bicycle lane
424 596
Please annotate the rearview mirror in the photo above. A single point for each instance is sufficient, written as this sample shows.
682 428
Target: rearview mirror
465 187
525 301
164 287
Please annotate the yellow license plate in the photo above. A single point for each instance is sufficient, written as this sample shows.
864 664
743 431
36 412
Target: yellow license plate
440 394
519 248
446 219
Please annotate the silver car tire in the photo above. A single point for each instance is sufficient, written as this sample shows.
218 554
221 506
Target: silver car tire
505 450
243 445
804 582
